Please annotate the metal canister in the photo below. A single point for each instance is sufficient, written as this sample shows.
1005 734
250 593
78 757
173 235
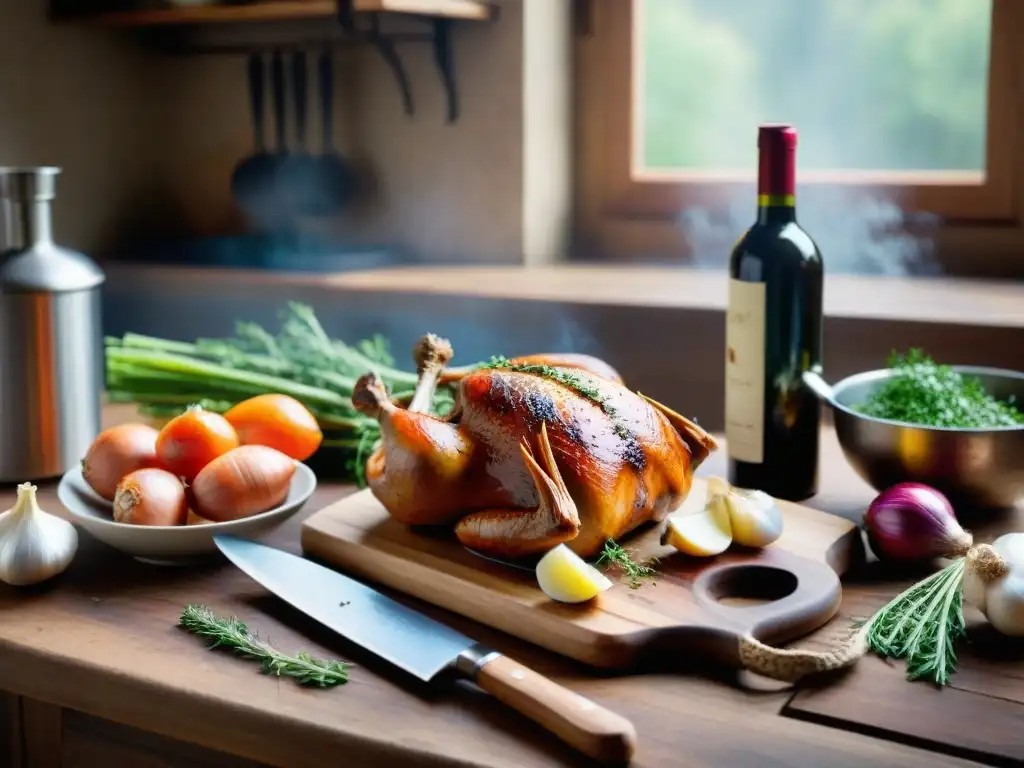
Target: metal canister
51 342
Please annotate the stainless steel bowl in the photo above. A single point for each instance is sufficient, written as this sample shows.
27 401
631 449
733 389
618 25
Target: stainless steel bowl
974 467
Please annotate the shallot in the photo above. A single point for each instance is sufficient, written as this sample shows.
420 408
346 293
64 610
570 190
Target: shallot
190 441
117 452
245 481
913 521
150 497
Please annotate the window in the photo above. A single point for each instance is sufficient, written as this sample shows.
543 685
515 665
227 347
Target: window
906 111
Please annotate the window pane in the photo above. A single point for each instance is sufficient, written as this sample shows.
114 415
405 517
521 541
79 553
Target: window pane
869 84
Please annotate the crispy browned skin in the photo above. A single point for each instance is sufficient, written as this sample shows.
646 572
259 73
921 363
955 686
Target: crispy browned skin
553 359
525 462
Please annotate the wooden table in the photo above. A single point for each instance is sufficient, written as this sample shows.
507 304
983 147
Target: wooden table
97 673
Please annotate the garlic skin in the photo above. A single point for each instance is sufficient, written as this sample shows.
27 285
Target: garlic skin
975 590
755 517
1005 604
34 545
1002 599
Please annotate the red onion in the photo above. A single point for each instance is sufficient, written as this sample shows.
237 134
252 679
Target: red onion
913 521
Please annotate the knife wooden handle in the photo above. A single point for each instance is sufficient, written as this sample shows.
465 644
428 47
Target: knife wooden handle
578 721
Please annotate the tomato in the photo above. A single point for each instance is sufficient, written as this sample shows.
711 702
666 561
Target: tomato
277 421
190 441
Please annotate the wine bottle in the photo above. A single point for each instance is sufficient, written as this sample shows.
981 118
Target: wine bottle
773 334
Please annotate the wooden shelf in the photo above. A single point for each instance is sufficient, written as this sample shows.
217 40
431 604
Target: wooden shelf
281 10
470 10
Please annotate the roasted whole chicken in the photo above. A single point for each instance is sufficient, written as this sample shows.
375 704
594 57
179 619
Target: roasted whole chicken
537 451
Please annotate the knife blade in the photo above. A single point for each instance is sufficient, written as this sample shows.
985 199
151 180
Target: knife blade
425 648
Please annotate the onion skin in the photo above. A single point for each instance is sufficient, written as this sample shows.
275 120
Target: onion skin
150 497
245 481
117 452
914 522
193 439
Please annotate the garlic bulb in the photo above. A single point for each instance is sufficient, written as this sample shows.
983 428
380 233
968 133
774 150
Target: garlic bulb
34 545
994 582
754 516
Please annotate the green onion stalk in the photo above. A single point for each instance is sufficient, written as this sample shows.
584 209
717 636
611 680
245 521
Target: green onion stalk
162 377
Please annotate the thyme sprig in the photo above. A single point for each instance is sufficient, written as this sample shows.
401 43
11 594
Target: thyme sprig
922 625
613 555
231 633
561 375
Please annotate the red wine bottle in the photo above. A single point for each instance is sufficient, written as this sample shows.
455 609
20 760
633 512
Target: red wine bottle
773 334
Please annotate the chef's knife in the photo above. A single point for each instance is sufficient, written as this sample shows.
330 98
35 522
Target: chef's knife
426 648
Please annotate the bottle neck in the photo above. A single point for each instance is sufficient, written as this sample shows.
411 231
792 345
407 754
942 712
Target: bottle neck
776 183
27 223
776 209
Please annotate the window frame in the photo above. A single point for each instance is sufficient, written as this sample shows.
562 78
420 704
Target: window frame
623 214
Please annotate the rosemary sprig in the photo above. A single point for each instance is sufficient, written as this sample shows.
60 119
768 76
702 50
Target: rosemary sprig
922 625
614 555
232 633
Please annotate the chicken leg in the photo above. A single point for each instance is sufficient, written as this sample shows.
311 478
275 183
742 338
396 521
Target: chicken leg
417 470
431 354
520 532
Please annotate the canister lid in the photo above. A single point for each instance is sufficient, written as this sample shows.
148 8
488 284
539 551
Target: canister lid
28 184
45 268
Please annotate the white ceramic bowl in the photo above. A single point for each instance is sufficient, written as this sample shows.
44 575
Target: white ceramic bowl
172 544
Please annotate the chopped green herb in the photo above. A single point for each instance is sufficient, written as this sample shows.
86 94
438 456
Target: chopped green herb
232 633
562 375
615 556
921 391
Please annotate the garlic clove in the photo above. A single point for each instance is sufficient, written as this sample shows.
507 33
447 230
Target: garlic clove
1010 547
717 487
704 534
755 518
1004 607
34 545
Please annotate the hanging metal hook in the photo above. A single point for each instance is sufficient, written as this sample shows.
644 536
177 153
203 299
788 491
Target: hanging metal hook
386 46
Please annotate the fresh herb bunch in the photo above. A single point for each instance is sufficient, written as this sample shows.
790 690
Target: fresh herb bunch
613 555
163 377
922 625
921 391
232 633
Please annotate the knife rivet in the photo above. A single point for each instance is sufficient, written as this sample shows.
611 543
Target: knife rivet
518 674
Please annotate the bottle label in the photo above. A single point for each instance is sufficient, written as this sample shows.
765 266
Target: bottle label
744 371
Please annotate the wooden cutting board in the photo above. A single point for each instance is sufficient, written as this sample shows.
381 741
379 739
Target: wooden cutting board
683 609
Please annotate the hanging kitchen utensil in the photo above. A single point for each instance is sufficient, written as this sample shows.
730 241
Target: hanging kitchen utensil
299 179
278 212
336 179
252 182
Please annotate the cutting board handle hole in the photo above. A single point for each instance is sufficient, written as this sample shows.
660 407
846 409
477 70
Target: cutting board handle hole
747 584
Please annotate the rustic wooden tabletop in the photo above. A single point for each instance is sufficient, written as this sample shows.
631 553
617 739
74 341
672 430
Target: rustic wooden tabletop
101 642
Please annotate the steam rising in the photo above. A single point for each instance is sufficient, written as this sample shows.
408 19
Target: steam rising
857 232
